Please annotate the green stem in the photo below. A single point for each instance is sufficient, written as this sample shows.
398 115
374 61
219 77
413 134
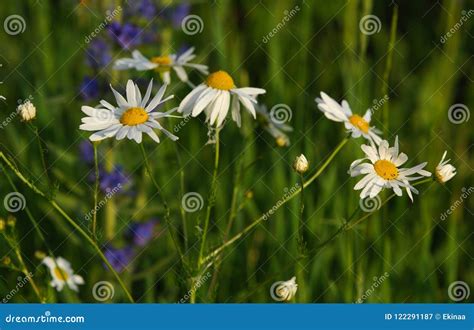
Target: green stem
388 67
211 201
264 216
165 204
346 226
96 192
41 149
70 220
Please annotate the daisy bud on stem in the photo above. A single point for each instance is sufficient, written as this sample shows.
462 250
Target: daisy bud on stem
301 164
27 111
444 170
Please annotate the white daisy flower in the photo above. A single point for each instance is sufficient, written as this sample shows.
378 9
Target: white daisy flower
62 274
383 171
216 96
355 124
162 64
444 170
130 118
276 128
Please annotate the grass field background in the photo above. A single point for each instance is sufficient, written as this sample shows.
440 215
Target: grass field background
320 48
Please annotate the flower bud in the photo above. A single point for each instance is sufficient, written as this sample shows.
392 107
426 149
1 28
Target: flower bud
301 164
26 110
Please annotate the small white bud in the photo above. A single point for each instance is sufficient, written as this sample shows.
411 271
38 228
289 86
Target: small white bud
444 170
301 164
27 111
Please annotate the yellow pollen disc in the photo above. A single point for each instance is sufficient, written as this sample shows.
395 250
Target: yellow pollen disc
386 169
134 116
164 63
61 274
360 123
220 80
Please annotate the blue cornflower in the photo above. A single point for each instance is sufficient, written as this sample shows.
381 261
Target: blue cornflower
179 13
127 35
98 54
119 258
143 232
89 88
143 8
86 152
111 181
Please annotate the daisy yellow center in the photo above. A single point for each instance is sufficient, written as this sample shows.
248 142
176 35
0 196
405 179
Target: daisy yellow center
220 80
386 169
161 60
60 274
360 123
164 63
134 116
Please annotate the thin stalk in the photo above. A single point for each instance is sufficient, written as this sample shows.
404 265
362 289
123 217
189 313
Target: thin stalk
388 68
163 201
41 149
346 226
211 201
301 243
12 242
232 215
70 220
181 186
96 192
264 216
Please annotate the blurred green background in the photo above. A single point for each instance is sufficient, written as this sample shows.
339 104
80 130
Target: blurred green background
319 48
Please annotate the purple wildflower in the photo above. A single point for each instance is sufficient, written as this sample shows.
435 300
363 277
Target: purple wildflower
119 258
142 233
89 88
98 54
